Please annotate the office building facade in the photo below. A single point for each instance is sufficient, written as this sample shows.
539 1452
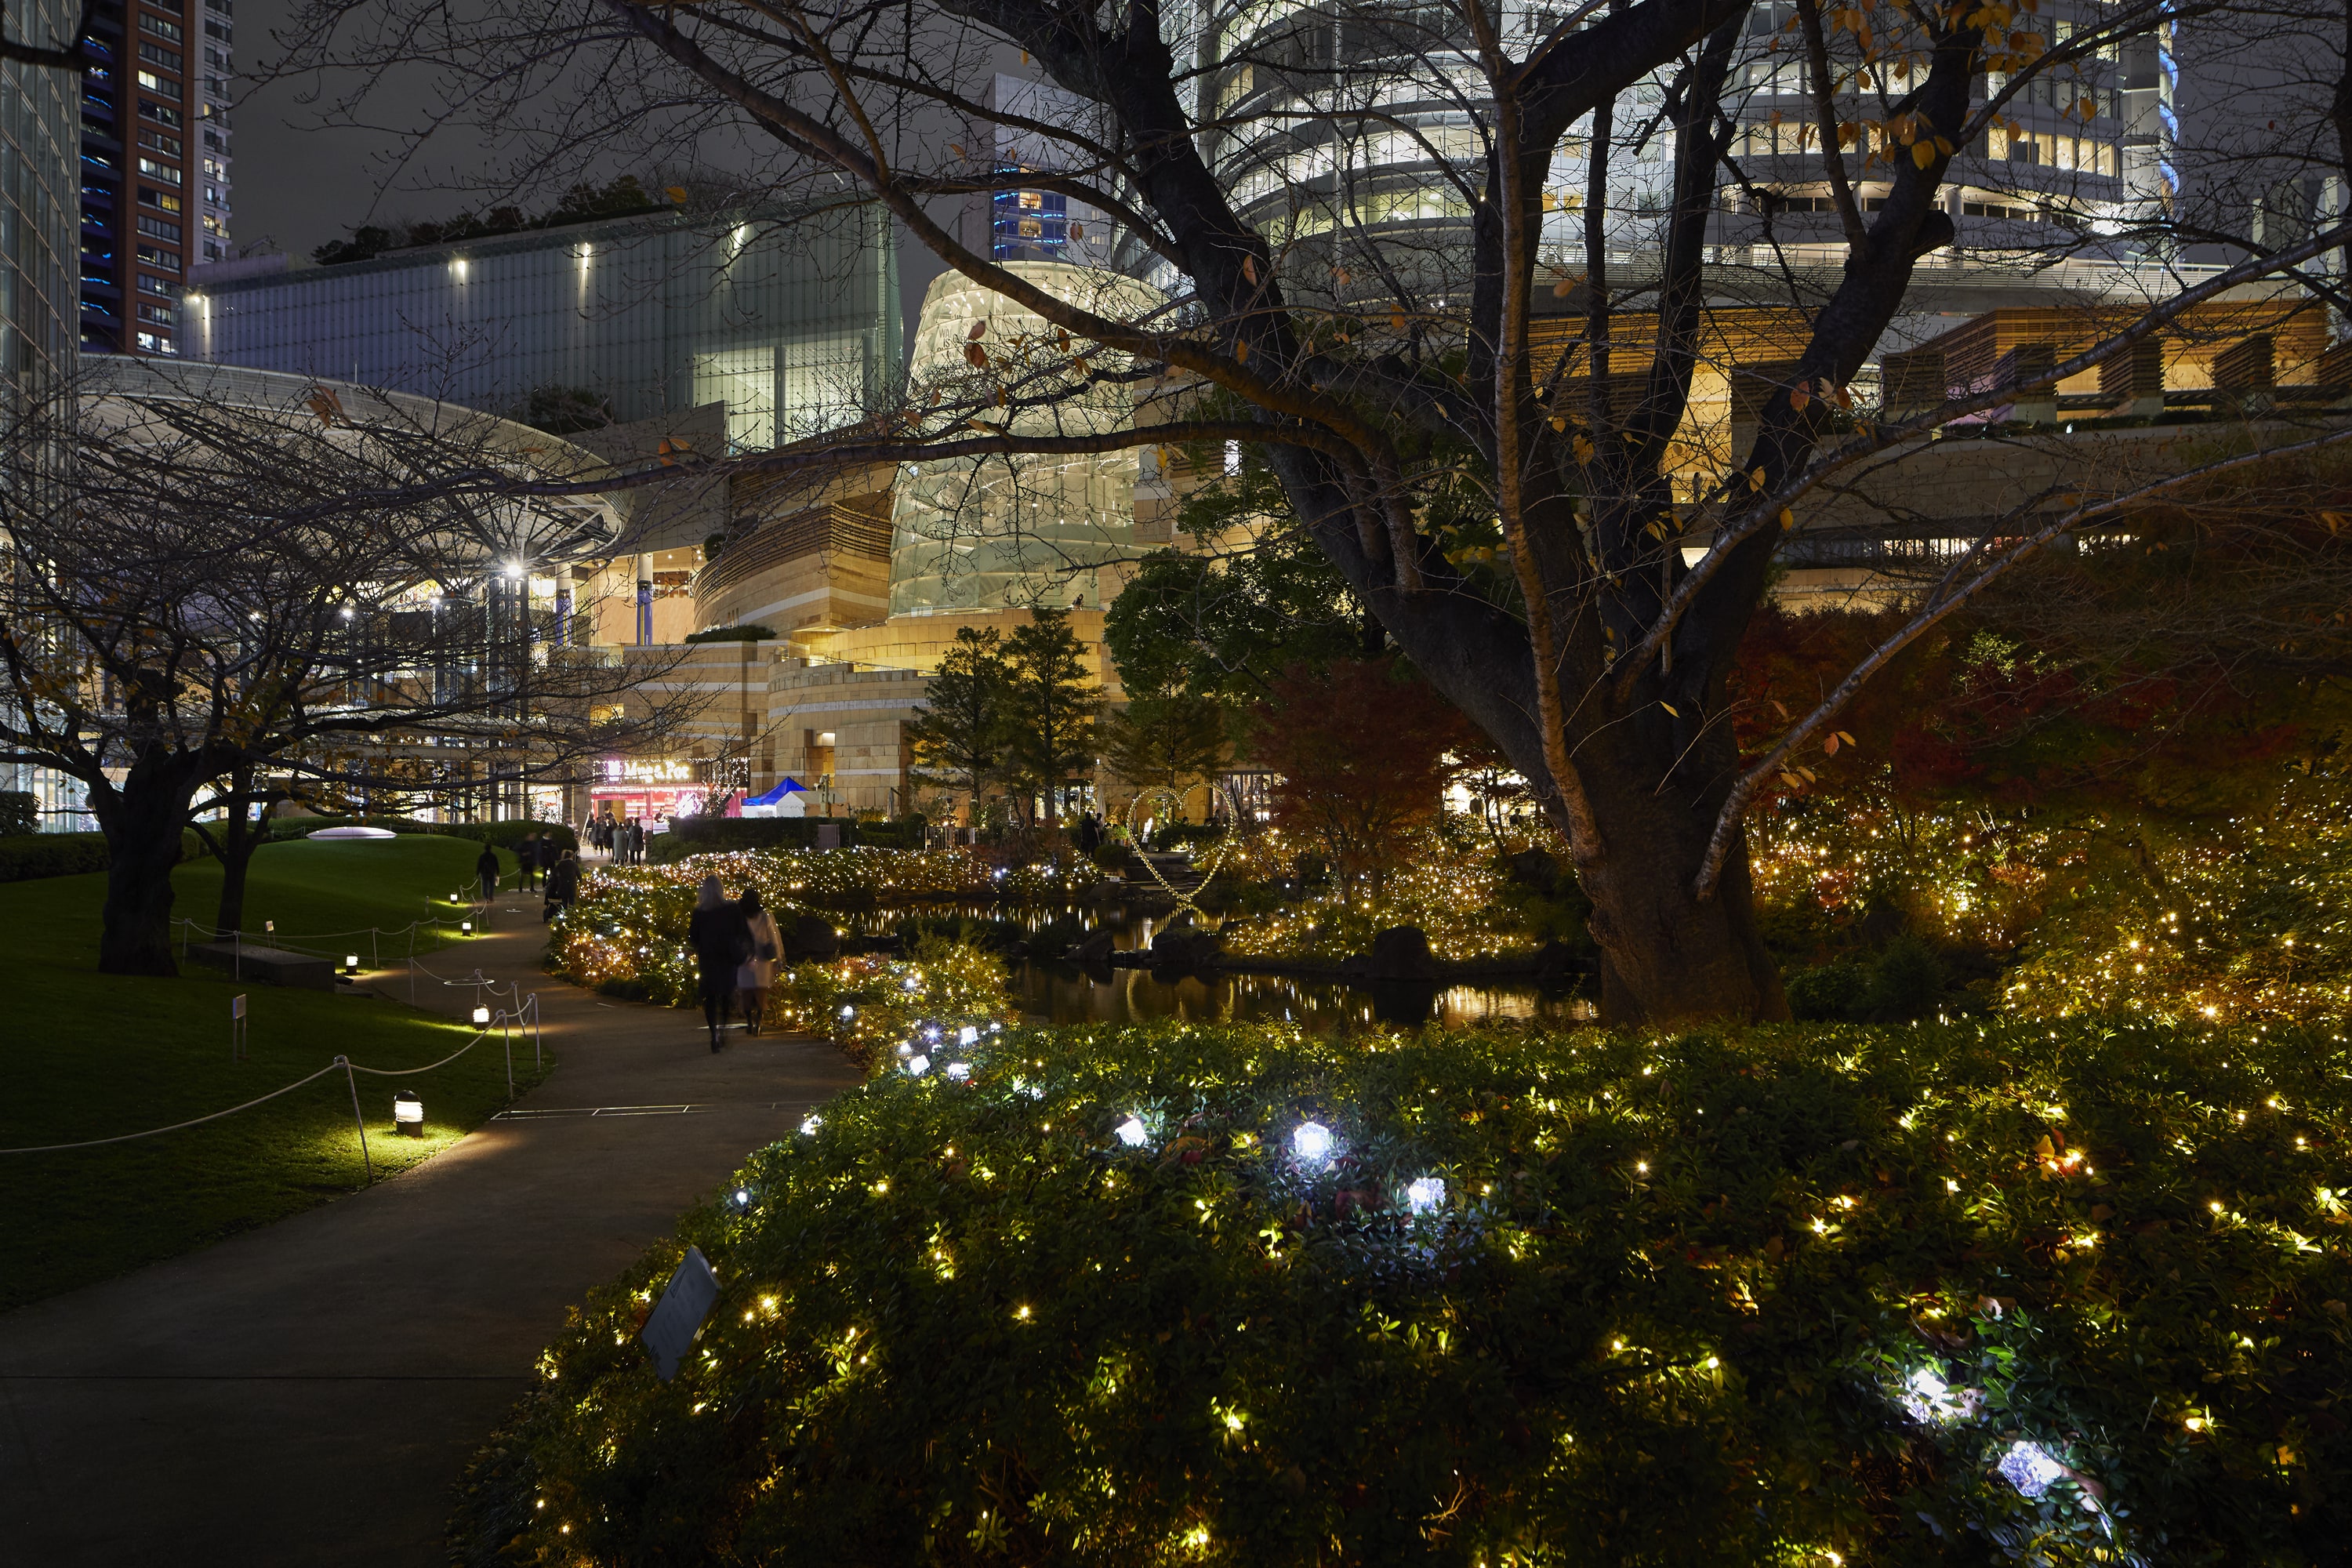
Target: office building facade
791 320
155 161
37 202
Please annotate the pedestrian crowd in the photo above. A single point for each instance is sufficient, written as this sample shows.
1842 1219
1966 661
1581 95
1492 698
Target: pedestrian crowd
624 841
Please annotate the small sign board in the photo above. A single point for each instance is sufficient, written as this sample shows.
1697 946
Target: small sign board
678 1317
828 836
237 1005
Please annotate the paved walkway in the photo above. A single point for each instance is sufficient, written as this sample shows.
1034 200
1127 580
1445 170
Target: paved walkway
306 1393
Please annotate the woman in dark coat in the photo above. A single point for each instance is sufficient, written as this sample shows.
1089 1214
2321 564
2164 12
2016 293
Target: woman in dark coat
563 885
485 868
721 937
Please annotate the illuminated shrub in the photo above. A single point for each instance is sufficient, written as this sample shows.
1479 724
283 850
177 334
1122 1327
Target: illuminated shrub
1915 1295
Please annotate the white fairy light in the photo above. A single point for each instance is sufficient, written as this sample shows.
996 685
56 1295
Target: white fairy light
1133 1133
1423 1193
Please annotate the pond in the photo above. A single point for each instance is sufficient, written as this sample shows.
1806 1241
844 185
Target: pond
1059 992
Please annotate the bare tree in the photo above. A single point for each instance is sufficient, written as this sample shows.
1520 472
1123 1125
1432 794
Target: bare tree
1488 323
56 53
203 587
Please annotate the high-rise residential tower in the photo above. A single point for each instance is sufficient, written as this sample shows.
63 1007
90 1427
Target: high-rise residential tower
154 157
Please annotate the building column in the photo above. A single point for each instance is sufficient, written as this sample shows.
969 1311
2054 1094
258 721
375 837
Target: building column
645 601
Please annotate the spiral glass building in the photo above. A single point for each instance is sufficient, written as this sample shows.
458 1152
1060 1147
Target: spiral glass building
1005 532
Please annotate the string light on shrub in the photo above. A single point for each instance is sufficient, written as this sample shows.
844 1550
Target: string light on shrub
917 1065
1976 1103
810 1123
959 1071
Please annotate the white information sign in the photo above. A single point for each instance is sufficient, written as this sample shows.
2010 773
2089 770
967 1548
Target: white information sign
678 1317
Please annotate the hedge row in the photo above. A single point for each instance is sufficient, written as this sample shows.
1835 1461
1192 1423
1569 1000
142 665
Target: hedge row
27 857
717 834
1898 1296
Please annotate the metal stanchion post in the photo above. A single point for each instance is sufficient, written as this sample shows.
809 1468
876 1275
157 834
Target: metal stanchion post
366 1163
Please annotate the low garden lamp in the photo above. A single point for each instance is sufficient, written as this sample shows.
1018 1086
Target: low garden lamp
408 1114
350 963
481 1016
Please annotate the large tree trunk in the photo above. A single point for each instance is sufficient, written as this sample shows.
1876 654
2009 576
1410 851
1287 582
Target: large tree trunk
143 817
142 846
1666 955
239 838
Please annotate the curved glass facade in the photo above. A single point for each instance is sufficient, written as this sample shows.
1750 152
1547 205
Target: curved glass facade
1005 532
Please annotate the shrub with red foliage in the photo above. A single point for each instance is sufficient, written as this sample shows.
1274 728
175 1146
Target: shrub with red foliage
1364 750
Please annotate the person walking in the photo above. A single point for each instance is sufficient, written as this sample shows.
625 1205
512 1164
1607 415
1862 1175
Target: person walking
721 939
527 862
485 868
759 971
562 886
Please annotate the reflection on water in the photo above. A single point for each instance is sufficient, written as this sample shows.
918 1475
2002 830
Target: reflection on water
1061 992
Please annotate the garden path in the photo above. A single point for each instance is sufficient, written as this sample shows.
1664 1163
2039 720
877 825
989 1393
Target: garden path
306 1393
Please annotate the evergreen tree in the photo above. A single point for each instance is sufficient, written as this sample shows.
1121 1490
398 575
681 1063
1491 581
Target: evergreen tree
1051 702
959 741
1165 738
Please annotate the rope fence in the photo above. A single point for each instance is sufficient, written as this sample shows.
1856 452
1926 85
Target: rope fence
191 928
503 1022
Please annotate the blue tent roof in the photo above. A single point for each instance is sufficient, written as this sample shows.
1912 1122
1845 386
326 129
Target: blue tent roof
787 786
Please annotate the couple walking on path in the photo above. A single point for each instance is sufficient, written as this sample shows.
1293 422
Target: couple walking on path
735 948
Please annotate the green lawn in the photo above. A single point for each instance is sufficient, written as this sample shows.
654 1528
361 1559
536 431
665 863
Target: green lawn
88 1055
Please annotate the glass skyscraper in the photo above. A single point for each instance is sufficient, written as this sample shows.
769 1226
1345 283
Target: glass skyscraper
790 319
39 201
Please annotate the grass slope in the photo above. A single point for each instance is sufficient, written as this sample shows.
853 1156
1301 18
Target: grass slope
88 1055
